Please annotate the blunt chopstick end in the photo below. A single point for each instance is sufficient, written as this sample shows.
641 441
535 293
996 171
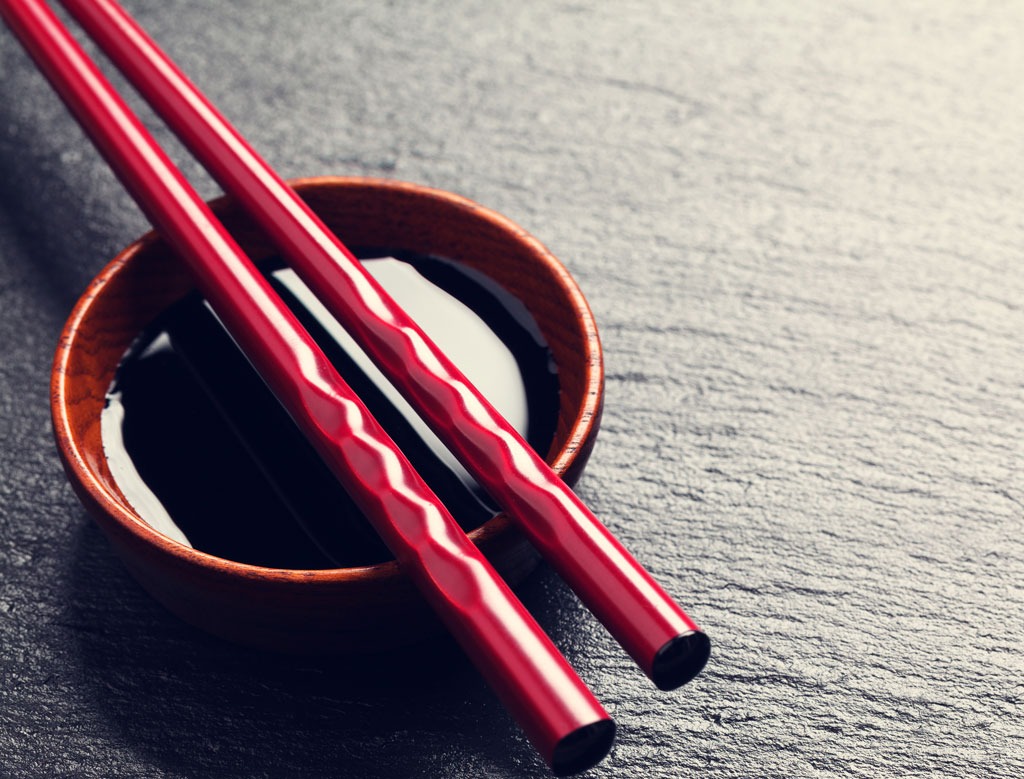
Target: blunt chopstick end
680 659
582 749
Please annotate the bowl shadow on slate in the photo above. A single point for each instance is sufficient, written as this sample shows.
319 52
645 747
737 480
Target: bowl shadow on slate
191 703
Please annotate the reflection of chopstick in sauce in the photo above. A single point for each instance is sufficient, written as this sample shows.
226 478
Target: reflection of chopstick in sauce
269 498
554 708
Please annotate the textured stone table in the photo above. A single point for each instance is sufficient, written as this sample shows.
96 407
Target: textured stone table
800 228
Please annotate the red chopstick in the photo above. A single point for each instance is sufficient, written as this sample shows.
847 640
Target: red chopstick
555 709
665 642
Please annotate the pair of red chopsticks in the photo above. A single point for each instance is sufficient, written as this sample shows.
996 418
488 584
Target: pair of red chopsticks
557 712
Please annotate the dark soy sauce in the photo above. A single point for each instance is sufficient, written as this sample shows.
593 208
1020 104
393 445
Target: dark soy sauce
204 452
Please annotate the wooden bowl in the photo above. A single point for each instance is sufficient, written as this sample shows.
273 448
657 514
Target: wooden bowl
313 611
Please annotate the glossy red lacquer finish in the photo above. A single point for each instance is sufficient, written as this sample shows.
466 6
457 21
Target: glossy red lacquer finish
523 666
635 609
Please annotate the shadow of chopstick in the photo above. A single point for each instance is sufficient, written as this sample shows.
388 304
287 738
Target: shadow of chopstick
189 704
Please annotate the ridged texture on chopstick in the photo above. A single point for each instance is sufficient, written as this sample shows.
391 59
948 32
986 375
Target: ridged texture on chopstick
519 661
643 618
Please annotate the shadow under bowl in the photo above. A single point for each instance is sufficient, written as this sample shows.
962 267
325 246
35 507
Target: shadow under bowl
359 609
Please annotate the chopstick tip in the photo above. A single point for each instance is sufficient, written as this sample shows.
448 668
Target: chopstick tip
584 748
680 659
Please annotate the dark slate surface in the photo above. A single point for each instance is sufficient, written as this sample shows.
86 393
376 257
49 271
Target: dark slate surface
799 226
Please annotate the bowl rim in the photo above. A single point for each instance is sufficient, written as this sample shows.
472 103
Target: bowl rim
115 507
